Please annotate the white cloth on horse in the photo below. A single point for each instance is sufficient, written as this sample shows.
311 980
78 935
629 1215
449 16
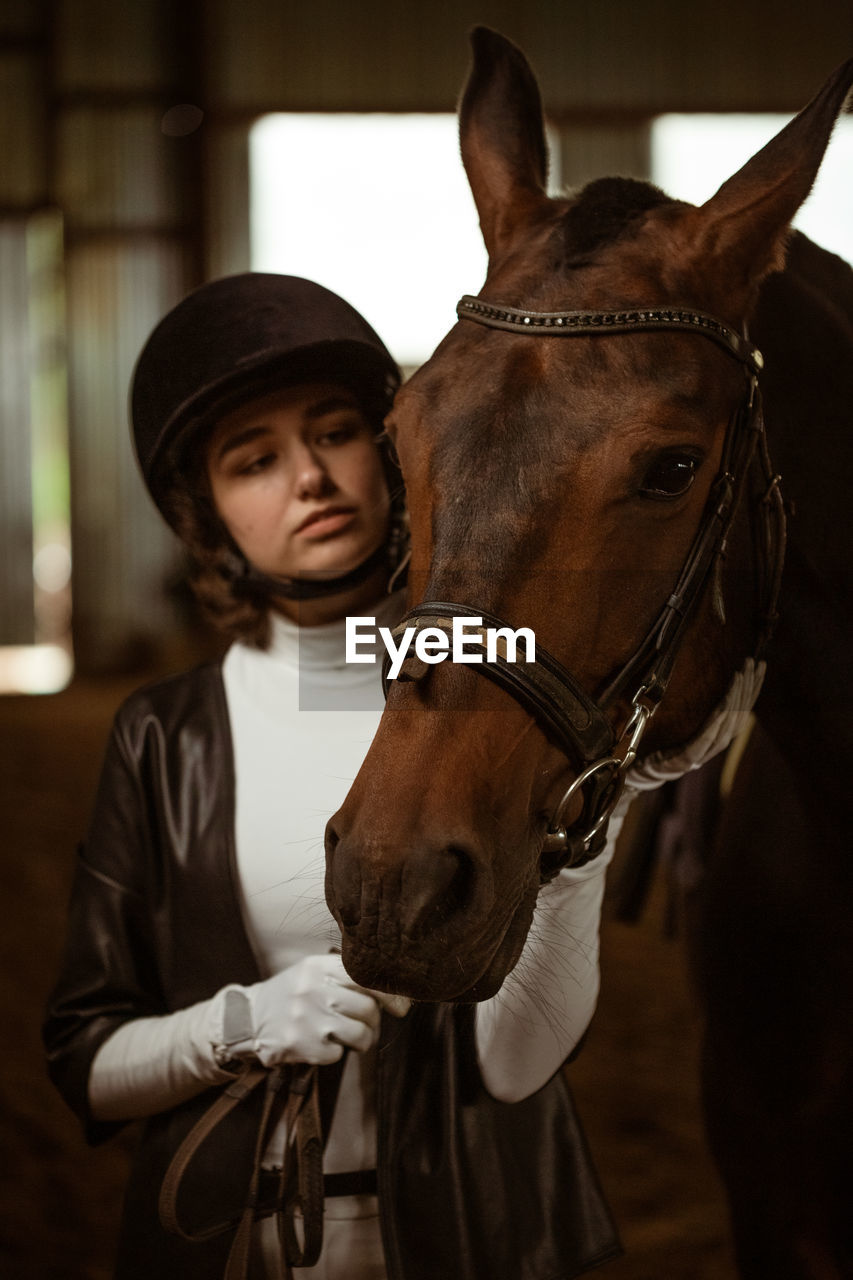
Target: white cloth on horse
725 723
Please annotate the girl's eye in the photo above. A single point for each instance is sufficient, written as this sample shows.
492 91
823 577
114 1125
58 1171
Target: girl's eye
338 436
669 477
255 465
341 434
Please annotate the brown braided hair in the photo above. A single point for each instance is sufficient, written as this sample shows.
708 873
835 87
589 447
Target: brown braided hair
188 502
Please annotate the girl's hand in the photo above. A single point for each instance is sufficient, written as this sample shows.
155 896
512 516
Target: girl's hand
310 1012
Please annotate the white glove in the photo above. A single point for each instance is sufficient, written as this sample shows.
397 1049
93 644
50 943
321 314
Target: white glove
150 1064
310 1012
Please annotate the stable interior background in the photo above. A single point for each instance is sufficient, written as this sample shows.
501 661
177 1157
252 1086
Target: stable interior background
125 132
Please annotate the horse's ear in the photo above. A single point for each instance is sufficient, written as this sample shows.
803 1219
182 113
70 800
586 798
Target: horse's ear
502 136
743 228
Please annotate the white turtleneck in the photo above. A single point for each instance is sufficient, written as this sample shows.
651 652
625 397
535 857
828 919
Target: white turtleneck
302 719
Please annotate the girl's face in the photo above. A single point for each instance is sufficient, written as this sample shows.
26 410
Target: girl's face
297 479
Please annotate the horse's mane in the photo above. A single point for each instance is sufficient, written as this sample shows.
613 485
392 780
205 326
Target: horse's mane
603 211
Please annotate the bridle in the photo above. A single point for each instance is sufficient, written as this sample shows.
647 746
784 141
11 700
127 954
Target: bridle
575 722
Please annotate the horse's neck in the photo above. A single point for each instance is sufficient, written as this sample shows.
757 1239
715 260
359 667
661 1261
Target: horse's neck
804 326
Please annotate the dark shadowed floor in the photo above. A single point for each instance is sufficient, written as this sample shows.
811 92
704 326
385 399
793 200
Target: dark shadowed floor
635 1081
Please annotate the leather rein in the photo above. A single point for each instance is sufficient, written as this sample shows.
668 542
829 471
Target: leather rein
577 723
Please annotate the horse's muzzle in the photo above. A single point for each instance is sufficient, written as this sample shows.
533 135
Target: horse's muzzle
424 925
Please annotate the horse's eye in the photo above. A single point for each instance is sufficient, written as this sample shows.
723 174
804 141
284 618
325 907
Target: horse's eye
669 477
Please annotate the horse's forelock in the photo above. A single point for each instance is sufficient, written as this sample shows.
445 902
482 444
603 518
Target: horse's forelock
602 212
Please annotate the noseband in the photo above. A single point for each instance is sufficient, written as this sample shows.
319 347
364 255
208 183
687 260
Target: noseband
578 724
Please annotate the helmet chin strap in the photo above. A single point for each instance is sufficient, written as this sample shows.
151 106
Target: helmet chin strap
246 579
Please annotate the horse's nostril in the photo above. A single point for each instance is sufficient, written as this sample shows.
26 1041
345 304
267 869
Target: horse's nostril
332 839
436 884
343 882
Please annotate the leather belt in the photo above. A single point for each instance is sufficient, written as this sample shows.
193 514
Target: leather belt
360 1182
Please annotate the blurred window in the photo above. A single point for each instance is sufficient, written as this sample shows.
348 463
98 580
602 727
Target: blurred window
35 544
376 207
692 155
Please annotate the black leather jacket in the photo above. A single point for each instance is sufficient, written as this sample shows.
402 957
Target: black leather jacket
469 1188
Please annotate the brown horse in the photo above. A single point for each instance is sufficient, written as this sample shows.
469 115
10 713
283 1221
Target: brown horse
584 455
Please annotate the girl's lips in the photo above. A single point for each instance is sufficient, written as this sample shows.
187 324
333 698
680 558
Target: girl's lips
323 523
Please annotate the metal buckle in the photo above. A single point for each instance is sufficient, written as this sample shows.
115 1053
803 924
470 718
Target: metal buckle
557 836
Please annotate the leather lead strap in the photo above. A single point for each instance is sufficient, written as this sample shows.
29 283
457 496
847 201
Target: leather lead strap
304 1145
295 1091
237 1266
230 1097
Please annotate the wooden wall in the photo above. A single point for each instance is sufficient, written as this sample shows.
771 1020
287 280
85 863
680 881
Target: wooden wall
608 57
131 117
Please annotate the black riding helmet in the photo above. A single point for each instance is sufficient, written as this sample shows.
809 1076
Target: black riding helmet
240 337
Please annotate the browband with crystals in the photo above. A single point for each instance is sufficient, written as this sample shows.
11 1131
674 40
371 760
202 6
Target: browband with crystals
560 324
